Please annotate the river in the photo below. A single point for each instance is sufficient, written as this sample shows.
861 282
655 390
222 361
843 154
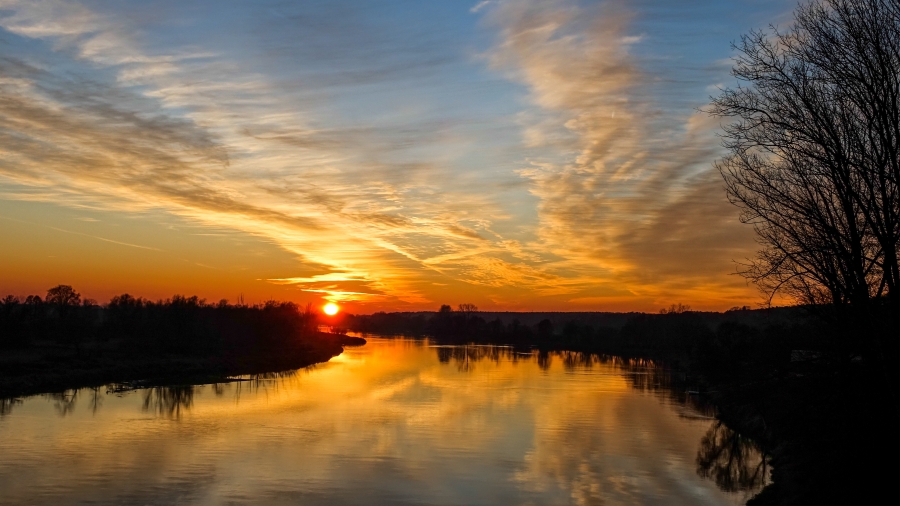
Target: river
396 421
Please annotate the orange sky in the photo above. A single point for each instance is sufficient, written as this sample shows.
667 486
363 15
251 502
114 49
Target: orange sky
532 155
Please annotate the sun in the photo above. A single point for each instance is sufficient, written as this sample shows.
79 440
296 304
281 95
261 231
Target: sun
331 309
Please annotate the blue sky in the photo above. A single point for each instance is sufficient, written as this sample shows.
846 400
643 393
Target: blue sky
382 154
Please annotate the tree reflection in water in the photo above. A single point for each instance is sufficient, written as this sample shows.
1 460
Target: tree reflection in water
96 399
465 356
6 405
168 401
734 462
64 402
644 375
253 383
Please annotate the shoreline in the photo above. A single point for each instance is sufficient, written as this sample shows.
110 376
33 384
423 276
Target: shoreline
55 371
803 410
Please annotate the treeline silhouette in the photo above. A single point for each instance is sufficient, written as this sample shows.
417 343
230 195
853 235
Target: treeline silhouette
47 340
179 325
724 346
721 344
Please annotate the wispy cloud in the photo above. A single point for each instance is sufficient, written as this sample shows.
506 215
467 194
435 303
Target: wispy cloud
111 241
626 190
480 5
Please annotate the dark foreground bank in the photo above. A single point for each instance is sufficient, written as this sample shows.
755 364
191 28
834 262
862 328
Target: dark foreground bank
60 342
815 390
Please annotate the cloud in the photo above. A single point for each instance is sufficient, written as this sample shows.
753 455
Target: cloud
626 189
479 6
112 241
338 286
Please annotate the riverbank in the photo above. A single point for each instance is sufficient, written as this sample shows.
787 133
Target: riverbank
46 367
816 395
63 343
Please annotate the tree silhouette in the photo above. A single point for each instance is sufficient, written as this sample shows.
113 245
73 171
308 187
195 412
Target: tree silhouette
814 159
63 296
675 309
467 309
69 327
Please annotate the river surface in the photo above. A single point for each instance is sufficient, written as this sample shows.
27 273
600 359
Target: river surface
393 422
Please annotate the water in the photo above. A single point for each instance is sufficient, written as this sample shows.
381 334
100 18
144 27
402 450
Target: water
393 422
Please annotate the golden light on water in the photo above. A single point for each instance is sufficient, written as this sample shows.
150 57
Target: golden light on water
331 309
448 416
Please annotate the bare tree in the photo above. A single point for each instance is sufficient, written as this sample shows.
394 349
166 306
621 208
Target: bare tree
467 309
675 309
815 151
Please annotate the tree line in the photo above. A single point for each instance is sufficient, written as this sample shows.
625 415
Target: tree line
179 325
721 345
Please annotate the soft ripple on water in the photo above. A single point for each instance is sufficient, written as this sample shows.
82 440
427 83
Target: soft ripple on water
393 422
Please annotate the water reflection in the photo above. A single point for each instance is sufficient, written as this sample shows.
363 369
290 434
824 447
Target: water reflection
168 401
393 422
734 462
6 405
64 402
643 374
465 356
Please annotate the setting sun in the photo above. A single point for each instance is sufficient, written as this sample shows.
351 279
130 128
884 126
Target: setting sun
331 309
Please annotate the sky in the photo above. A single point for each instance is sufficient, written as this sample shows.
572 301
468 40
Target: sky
519 155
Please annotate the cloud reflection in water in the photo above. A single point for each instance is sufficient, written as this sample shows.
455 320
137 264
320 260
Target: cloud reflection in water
393 422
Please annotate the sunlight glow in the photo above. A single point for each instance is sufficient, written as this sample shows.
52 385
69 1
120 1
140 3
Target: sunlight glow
361 202
330 309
